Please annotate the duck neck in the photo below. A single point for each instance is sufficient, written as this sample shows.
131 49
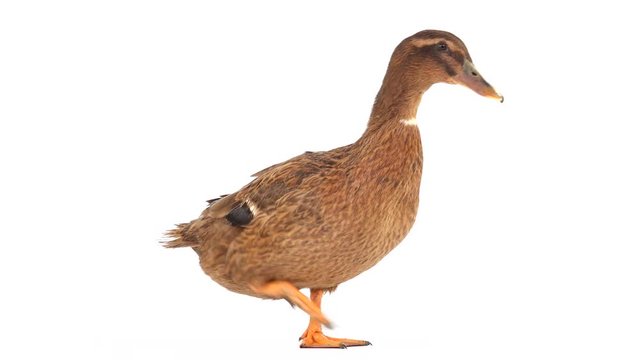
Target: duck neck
396 101
390 147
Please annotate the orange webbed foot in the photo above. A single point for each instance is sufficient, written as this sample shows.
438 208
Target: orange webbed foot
313 336
316 339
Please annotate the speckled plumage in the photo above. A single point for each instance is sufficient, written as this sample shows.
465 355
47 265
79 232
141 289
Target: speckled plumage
321 218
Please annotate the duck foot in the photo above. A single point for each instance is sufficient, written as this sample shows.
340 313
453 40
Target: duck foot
319 340
313 336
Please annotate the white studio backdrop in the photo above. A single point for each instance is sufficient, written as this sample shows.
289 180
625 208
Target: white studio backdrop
119 119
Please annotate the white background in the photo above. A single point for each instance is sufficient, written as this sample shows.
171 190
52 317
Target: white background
120 118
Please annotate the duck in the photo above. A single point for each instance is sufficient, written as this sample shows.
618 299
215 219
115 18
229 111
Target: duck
321 218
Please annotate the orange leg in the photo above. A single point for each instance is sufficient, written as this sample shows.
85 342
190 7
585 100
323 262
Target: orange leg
313 336
285 290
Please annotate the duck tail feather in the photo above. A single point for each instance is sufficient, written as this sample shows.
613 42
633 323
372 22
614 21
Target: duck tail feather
178 237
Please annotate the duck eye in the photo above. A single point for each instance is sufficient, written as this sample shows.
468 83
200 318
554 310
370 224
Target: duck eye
442 46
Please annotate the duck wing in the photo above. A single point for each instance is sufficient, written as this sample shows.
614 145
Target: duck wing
226 216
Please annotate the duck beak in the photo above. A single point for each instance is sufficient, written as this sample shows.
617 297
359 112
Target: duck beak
471 78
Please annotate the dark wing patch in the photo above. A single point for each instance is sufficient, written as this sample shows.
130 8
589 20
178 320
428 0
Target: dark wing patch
240 215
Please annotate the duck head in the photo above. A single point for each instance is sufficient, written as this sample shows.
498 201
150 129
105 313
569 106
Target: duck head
419 61
433 56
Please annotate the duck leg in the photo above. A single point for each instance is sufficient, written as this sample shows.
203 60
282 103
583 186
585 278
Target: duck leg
279 289
313 336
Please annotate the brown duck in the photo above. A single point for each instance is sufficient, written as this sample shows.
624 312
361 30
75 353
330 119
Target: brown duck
321 218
